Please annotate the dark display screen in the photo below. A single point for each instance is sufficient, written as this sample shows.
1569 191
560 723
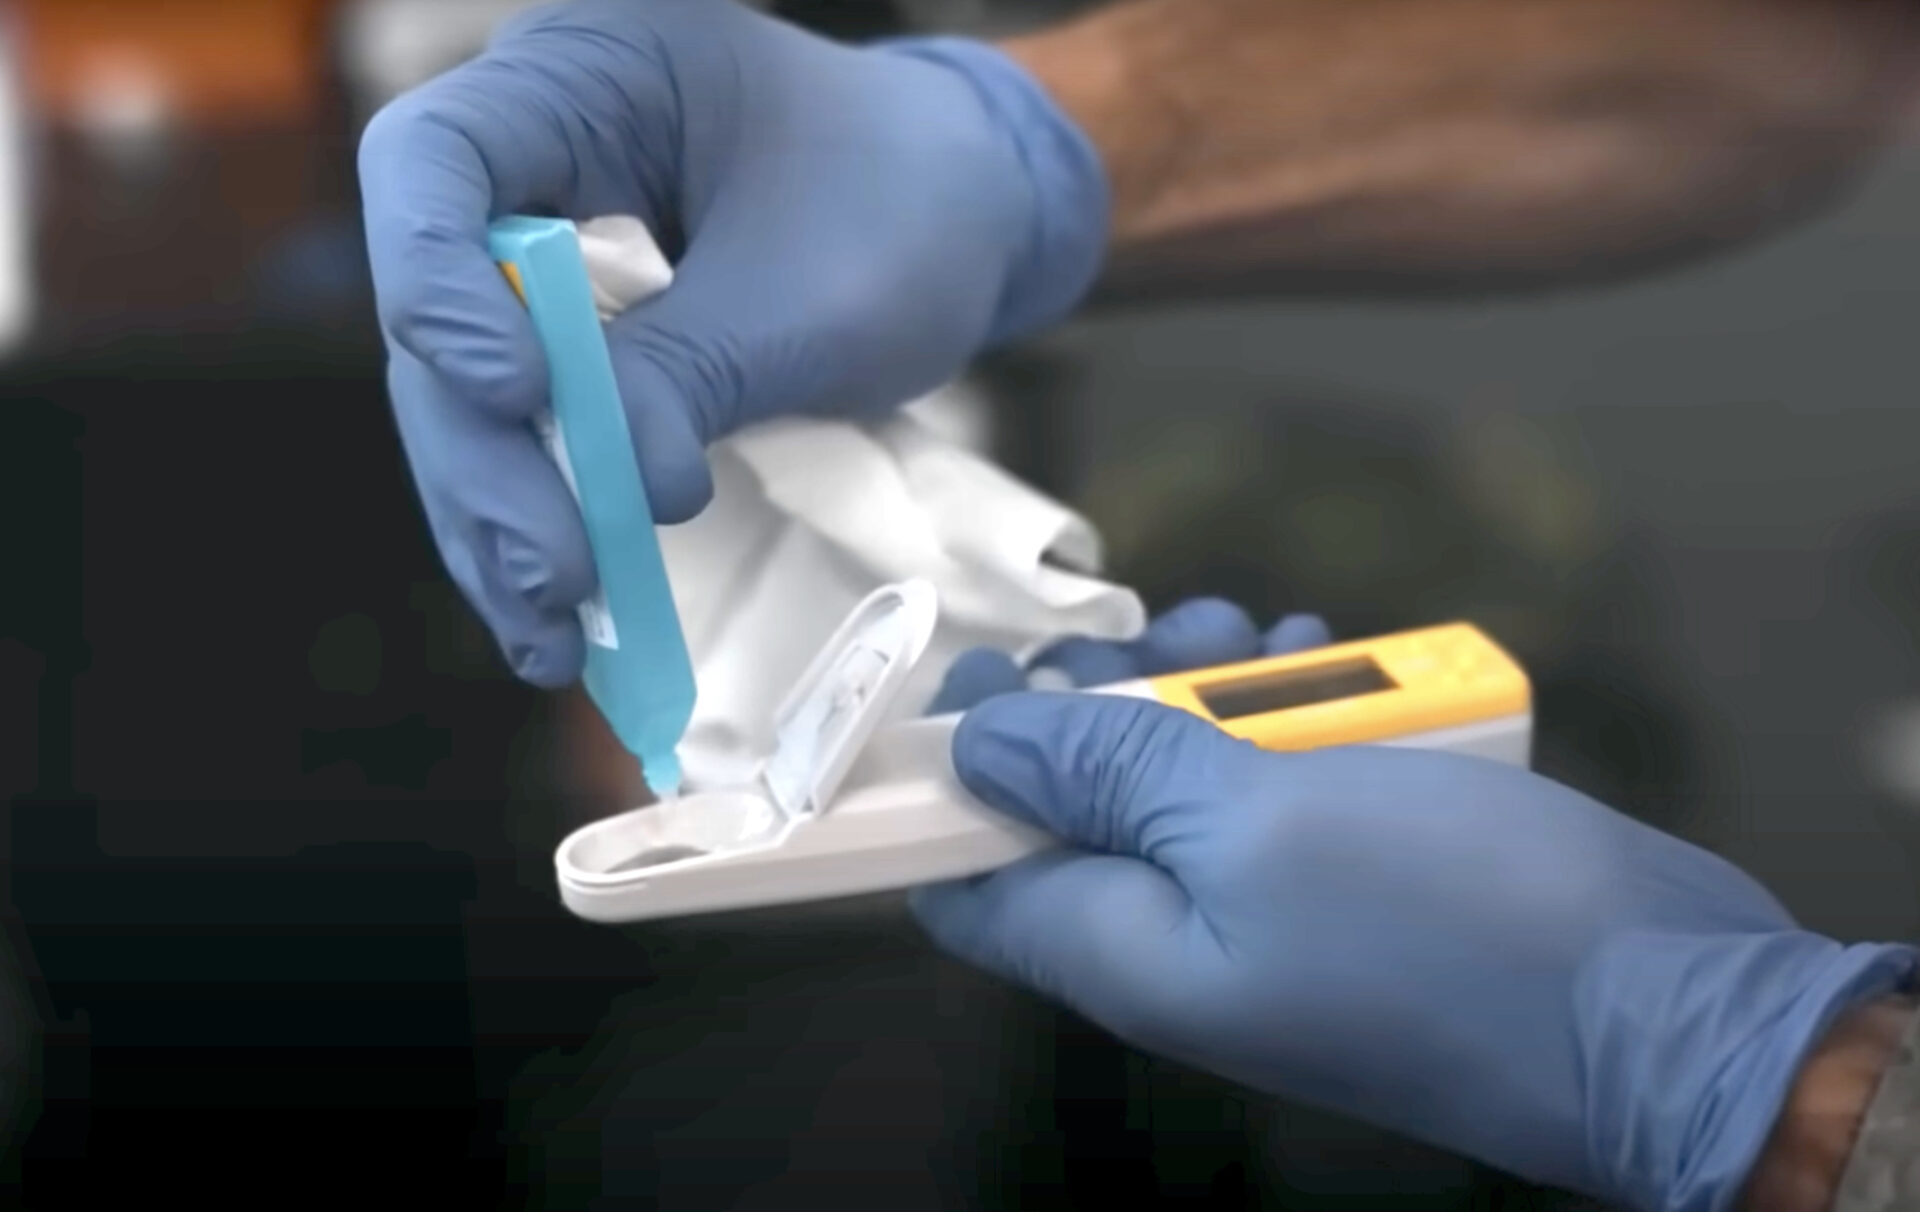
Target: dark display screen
1325 683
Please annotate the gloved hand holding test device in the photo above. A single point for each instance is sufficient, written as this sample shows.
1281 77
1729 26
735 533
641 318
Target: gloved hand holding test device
845 804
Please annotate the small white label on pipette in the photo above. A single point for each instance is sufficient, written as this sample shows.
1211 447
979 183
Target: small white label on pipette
596 619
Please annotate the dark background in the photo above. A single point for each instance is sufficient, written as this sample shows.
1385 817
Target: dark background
279 825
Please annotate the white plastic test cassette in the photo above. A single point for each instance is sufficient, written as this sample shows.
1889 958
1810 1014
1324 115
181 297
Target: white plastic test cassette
843 806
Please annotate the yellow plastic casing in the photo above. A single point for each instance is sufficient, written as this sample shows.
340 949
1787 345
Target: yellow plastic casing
1395 686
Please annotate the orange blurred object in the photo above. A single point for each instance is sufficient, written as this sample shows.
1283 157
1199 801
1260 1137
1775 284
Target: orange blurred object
209 63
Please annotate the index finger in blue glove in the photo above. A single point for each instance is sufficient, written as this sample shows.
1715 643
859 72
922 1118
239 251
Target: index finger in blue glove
436 167
492 138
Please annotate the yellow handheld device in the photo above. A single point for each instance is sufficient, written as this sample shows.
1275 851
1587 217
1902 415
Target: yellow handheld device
1446 687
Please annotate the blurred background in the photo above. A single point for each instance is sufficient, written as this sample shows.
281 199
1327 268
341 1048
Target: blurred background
278 884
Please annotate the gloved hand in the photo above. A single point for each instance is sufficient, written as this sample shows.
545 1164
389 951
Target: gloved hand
855 224
1457 950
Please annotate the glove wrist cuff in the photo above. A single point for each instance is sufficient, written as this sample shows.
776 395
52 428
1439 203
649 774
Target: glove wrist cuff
1676 1145
1071 193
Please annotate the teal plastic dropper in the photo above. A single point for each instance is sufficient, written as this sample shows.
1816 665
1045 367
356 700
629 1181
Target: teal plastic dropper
638 670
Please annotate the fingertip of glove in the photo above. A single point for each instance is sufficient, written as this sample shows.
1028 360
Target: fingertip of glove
678 488
524 567
1298 633
669 428
1089 662
553 572
932 902
976 676
1213 616
551 662
950 913
982 726
1197 633
979 740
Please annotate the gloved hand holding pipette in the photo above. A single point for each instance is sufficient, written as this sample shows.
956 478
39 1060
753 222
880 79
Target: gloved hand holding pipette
852 226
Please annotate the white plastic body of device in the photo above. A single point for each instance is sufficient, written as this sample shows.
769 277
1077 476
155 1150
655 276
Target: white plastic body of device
843 807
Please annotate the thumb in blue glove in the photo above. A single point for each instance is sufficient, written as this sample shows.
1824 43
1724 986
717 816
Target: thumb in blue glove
853 226
1450 948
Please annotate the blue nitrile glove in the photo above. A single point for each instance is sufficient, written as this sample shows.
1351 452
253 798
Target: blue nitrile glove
1454 949
856 225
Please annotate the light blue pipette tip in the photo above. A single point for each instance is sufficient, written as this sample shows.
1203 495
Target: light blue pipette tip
663 773
638 670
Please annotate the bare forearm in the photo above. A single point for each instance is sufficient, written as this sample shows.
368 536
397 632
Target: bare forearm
1445 143
1811 1143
